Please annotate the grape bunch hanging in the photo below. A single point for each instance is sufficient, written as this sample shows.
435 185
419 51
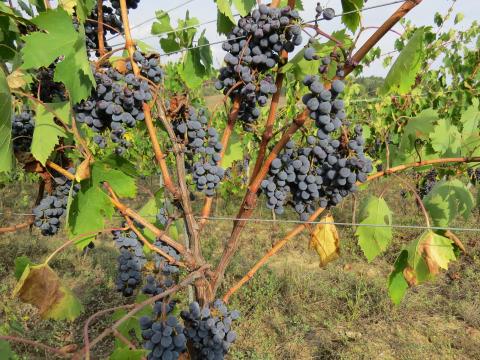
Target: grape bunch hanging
253 48
203 149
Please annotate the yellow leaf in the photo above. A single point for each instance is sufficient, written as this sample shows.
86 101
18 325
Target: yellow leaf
325 241
83 170
68 5
16 80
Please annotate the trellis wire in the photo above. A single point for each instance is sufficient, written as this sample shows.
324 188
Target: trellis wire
286 221
242 37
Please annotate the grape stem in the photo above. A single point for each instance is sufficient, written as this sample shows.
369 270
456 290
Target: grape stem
297 230
159 155
100 36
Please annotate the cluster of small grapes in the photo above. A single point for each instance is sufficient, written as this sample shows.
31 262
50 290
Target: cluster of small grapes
162 216
161 263
210 330
164 338
322 13
130 262
253 47
204 150
46 87
153 288
427 183
53 207
149 68
131 4
115 104
129 272
112 23
23 125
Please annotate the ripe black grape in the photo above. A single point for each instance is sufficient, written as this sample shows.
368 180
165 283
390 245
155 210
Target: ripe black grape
54 206
23 125
210 330
129 272
162 263
427 183
253 48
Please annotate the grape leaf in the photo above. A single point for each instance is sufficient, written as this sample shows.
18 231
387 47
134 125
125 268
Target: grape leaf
233 152
40 286
325 241
397 285
6 351
87 213
374 240
244 6
470 120
225 8
47 132
60 39
163 24
403 72
21 263
121 183
446 140
6 152
447 200
418 127
353 7
224 24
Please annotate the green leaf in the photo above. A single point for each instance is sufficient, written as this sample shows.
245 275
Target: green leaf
150 211
224 24
447 200
234 151
87 213
397 285
169 44
244 6
108 171
6 152
196 66
127 354
403 72
6 351
446 139
458 17
47 133
418 127
40 286
374 240
224 7
163 24
470 120
298 4
21 264
352 20
60 39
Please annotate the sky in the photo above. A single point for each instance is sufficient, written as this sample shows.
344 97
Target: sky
205 10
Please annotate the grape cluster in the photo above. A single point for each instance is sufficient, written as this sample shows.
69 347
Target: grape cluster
129 272
210 330
328 168
128 240
161 263
149 68
131 4
115 104
253 47
162 216
23 125
164 339
427 183
53 207
153 288
112 23
203 149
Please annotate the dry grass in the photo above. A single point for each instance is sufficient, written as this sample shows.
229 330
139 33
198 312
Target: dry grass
292 309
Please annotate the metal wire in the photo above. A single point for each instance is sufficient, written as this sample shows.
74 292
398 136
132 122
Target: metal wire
286 221
242 37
